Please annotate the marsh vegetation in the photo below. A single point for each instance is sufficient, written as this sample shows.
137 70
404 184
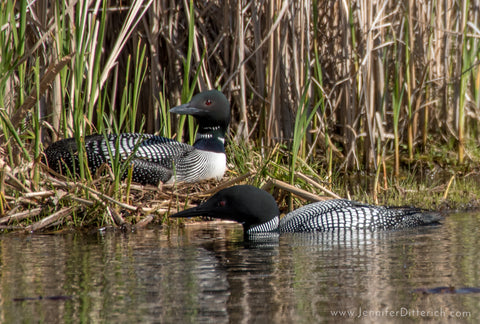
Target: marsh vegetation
372 100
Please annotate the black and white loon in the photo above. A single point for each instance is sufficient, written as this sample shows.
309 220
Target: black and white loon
159 159
258 212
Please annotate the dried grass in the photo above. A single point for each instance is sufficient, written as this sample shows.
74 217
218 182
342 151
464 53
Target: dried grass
353 59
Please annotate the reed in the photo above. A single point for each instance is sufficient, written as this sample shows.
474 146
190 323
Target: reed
189 82
397 100
207 48
339 87
461 81
303 118
12 48
165 120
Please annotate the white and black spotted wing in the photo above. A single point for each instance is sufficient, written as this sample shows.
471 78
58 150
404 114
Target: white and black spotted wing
153 156
345 214
155 159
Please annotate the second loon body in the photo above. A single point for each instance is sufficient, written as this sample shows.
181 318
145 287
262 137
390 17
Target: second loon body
158 159
258 212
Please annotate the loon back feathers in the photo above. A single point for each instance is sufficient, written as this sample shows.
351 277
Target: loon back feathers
152 161
346 214
258 212
158 159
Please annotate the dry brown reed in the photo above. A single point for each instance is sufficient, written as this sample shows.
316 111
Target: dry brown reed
364 61
261 53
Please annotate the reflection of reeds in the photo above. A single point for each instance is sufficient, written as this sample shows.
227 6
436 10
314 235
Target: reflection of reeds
389 79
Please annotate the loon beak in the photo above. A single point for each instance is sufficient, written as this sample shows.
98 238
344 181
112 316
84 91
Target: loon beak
195 211
209 208
186 109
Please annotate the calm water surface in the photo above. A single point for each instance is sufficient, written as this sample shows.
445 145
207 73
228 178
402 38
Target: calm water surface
205 273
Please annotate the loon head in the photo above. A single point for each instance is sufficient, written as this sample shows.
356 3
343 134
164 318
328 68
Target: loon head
244 204
211 109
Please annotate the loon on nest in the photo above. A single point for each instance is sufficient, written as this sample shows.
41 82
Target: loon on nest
158 159
258 212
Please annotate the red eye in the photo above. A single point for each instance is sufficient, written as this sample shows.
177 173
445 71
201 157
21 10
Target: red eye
222 203
208 102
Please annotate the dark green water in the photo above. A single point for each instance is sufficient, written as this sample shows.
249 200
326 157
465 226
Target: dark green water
205 273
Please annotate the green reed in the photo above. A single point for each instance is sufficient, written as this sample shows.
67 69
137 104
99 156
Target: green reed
461 84
470 58
397 103
304 116
36 124
189 82
62 87
165 120
12 57
409 78
138 78
83 43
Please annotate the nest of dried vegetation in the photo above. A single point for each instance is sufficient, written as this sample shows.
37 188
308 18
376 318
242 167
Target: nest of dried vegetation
34 198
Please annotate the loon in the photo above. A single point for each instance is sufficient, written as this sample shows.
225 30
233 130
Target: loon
158 159
258 212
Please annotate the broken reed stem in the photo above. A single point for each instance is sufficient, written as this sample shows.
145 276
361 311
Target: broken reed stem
50 219
145 221
45 83
21 215
227 184
13 181
82 201
317 185
445 194
117 218
292 189
110 199
39 194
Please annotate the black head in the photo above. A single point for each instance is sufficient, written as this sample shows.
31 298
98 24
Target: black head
245 204
211 108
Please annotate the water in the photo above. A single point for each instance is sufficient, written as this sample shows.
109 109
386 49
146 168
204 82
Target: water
205 273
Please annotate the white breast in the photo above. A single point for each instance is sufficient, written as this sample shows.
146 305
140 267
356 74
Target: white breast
200 165
216 165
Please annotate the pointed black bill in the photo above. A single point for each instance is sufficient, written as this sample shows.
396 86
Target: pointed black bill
191 212
186 109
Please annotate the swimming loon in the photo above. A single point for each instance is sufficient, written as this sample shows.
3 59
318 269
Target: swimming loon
158 158
258 212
